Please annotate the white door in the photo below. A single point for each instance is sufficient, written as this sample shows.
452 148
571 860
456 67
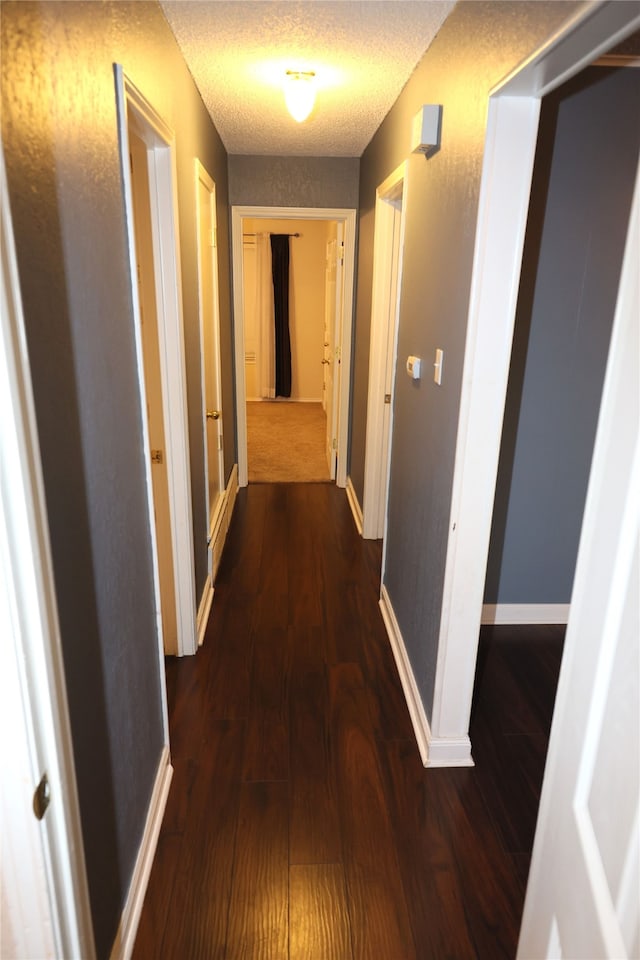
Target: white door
153 382
387 265
210 339
582 898
390 355
44 899
334 292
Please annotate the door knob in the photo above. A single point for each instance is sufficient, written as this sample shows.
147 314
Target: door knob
326 361
213 414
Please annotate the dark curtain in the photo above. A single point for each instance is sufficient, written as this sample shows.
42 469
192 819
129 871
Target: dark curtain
280 272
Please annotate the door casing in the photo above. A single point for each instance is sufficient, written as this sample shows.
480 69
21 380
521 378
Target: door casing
348 218
510 143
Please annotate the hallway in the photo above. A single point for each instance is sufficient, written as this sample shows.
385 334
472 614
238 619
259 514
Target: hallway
300 822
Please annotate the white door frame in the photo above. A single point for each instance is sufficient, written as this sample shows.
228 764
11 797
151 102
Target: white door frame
348 218
213 522
511 137
45 899
385 304
159 138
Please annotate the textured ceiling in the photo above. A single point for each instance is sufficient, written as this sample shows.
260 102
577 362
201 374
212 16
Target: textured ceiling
363 53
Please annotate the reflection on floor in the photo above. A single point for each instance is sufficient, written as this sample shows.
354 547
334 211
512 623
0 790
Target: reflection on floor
301 823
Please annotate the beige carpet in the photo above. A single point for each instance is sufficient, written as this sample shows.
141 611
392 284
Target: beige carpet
286 442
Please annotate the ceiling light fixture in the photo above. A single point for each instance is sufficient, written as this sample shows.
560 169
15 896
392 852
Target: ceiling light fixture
299 93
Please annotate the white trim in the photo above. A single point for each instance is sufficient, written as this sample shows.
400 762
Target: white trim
159 138
504 199
384 314
434 751
348 218
217 540
218 534
232 493
130 917
356 509
204 609
32 672
534 613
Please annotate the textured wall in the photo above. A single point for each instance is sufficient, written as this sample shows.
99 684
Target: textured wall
571 267
61 150
293 181
477 45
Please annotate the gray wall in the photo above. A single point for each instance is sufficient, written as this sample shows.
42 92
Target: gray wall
294 181
61 150
585 171
477 45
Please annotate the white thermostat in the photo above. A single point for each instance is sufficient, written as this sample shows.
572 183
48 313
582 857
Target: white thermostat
413 367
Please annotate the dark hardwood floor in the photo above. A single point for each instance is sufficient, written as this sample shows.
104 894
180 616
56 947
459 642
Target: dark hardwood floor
301 824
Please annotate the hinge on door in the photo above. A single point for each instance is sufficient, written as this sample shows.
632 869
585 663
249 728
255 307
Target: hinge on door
342 254
334 444
156 456
213 238
387 398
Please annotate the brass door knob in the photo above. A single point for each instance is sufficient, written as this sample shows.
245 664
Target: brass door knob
213 414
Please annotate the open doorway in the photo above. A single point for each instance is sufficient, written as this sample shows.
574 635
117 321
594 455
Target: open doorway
331 332
571 265
289 422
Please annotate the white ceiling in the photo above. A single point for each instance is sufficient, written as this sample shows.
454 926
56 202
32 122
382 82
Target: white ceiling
362 51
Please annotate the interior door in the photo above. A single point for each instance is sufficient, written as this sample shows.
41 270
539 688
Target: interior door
582 896
334 292
391 332
210 338
153 386
328 348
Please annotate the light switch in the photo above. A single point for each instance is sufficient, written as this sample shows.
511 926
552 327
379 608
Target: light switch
437 367
413 367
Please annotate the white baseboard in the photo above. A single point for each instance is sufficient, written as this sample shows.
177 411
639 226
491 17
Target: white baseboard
497 613
218 533
130 917
356 509
203 610
434 751
232 492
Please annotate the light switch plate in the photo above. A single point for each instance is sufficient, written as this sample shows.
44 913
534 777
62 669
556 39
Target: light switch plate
413 367
437 367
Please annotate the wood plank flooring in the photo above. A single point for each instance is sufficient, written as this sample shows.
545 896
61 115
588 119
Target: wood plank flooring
301 824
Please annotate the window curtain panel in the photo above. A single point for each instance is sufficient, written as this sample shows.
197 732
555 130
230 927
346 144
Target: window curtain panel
264 322
280 272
